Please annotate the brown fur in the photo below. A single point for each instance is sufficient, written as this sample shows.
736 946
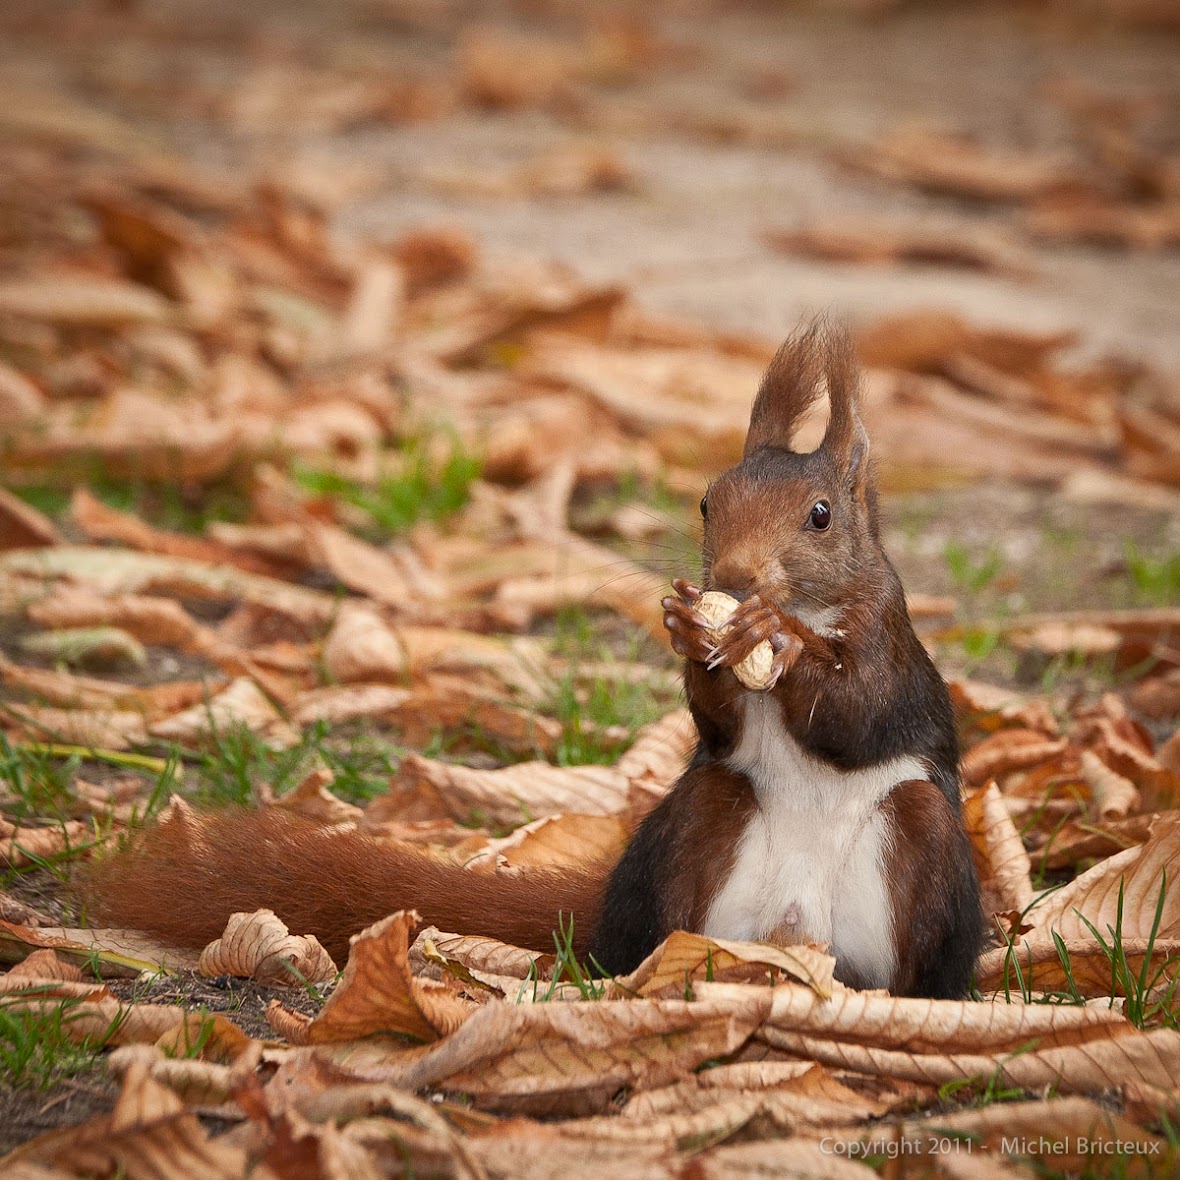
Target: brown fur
712 805
925 837
180 881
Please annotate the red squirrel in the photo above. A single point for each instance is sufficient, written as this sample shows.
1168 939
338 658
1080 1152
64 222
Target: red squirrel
823 808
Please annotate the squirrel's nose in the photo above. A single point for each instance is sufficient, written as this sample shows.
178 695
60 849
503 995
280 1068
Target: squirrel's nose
733 579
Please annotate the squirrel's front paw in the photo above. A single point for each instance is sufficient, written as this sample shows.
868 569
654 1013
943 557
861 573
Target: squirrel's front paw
691 635
757 621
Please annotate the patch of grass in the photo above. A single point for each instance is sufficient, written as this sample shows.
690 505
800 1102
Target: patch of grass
1143 1005
969 572
599 715
38 782
422 488
979 642
36 1049
590 984
1156 580
1140 1004
237 760
166 504
985 1090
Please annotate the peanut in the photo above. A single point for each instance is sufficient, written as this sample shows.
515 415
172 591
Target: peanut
755 670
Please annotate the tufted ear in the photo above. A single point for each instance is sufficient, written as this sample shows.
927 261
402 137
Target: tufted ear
791 385
846 439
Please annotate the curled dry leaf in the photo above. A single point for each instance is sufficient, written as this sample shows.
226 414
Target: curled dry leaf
1008 750
379 995
337 704
990 707
1040 967
291 1026
194 1082
799 1090
1137 875
573 1058
557 840
451 702
313 799
883 242
581 572
1081 1050
683 957
1000 857
20 847
660 750
20 913
241 704
82 301
95 648
115 571
21 525
1111 795
259 946
159 621
1158 697
955 165
95 729
109 1021
362 647
1075 841
45 964
21 401
362 567
149 1132
115 953
509 794
485 955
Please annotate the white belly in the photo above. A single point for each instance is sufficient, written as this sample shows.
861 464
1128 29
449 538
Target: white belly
811 859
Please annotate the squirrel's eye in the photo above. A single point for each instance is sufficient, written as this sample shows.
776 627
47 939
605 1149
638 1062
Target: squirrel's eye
821 516
704 506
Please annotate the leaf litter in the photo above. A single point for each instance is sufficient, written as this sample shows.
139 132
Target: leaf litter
210 334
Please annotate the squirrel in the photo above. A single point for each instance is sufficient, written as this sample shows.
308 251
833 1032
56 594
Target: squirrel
822 808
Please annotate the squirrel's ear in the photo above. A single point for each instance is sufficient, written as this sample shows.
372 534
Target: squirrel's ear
791 385
846 439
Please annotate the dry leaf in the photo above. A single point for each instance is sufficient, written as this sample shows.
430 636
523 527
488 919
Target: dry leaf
970 247
1034 963
379 996
258 946
947 164
241 704
1000 858
362 647
149 1133
82 301
1137 873
573 1058
1006 751
511 794
682 958
22 525
1079 1050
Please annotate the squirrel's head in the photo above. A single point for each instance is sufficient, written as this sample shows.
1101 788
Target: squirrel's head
798 528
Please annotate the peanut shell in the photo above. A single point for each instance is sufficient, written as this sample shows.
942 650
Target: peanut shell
754 670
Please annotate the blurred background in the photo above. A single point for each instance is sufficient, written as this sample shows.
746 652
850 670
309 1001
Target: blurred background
574 232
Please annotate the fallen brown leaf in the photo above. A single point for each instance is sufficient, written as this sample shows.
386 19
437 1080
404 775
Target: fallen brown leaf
258 946
379 996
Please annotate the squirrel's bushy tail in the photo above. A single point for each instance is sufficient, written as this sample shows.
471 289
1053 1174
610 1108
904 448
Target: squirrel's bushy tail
181 879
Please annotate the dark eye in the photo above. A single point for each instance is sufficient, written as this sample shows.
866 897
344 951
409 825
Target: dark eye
704 506
821 516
